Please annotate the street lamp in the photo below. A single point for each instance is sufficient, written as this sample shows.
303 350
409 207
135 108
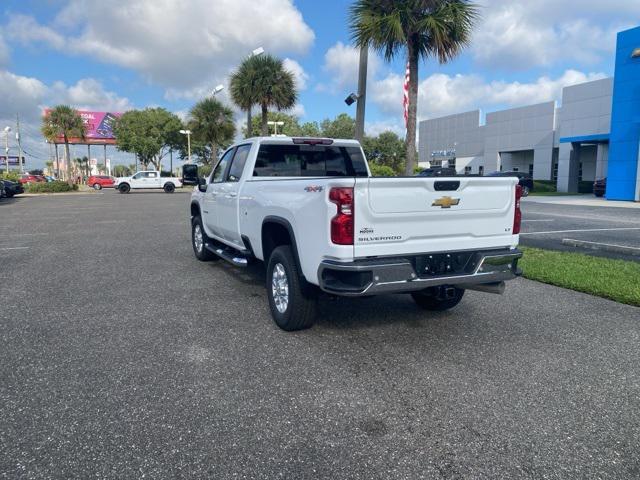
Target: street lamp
188 134
275 126
257 51
217 90
6 145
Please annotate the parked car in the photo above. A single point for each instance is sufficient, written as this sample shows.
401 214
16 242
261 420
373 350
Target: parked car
3 192
438 172
49 178
147 179
28 178
600 187
524 180
12 188
99 182
310 210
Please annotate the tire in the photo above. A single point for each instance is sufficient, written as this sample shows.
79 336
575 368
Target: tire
169 187
429 299
124 188
197 232
97 186
525 191
599 195
291 307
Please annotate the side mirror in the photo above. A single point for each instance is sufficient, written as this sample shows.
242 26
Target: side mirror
202 184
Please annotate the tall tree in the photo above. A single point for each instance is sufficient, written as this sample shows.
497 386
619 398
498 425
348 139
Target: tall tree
242 87
64 122
212 125
149 133
386 149
274 87
343 126
418 29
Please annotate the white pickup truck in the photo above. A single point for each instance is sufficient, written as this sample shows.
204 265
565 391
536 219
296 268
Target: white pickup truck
147 179
310 210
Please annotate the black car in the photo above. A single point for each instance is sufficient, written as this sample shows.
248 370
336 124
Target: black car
438 172
599 187
12 188
3 192
524 180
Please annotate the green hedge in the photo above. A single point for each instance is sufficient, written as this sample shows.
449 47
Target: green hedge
50 187
585 187
11 176
544 186
381 170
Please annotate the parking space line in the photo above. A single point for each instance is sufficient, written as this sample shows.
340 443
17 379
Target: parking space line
582 217
14 248
538 220
610 247
583 230
21 234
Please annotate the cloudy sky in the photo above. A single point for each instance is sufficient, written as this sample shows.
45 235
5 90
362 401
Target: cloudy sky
121 54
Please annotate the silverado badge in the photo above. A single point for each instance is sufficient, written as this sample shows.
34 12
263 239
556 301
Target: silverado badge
445 202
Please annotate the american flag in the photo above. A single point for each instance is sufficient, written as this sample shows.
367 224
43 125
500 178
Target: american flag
405 100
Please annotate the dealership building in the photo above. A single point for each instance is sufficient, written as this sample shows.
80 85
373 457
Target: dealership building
594 134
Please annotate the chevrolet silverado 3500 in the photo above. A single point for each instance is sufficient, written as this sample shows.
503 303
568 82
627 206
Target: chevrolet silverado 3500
310 209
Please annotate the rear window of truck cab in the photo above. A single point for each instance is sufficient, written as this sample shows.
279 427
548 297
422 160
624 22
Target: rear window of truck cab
309 161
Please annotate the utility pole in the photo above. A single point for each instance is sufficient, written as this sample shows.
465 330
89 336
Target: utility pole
362 93
6 146
20 161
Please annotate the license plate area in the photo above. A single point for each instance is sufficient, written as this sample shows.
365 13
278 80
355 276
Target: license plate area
443 264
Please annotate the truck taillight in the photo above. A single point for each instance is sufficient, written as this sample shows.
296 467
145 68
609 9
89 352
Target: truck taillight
342 223
517 215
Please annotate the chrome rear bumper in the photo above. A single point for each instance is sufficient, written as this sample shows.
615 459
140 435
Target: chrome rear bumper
399 275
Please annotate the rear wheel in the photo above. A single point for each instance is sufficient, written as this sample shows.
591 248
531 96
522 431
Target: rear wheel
169 187
97 186
124 188
292 308
439 298
198 241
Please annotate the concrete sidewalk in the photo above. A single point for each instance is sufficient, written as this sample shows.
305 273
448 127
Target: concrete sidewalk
586 200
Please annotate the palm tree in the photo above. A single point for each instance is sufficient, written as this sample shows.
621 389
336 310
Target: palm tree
64 122
418 28
212 124
274 86
242 87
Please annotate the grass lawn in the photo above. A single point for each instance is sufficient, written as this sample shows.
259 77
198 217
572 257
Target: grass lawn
617 280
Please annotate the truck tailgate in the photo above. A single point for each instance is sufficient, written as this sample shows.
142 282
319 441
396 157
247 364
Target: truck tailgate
396 216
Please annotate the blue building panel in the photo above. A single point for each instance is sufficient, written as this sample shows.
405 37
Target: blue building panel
624 139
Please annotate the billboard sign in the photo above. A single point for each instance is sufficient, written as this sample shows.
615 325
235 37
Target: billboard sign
13 160
98 128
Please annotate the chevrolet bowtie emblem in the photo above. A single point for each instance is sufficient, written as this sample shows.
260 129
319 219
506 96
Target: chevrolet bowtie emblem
445 202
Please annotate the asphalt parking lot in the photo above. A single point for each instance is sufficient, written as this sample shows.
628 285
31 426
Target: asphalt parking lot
124 357
572 226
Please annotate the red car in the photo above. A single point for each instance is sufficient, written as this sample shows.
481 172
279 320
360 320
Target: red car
100 181
28 178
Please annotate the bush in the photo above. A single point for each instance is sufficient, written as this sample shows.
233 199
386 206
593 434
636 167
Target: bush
50 187
11 176
381 170
544 186
585 187
204 170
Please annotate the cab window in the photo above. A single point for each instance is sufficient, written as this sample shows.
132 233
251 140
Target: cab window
239 160
152 174
218 173
138 176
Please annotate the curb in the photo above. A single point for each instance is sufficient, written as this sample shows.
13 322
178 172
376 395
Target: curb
606 247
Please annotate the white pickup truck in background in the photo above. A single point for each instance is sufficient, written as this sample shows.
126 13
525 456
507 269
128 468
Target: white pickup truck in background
310 210
147 179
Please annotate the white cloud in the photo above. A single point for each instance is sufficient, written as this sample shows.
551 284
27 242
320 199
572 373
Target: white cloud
4 52
341 65
177 46
441 94
89 94
525 34
301 77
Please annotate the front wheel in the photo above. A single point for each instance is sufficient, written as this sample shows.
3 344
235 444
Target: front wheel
438 299
198 241
169 187
291 307
97 186
124 188
525 191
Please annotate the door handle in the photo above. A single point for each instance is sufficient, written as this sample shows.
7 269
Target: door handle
232 194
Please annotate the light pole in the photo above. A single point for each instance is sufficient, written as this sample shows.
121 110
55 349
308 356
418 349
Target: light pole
217 90
275 126
188 134
6 146
255 53
360 97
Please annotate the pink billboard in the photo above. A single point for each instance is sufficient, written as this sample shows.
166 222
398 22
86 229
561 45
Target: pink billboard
98 128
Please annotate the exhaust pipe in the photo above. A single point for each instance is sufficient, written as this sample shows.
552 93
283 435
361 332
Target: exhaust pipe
497 288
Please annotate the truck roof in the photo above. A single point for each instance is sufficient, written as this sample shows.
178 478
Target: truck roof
284 140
